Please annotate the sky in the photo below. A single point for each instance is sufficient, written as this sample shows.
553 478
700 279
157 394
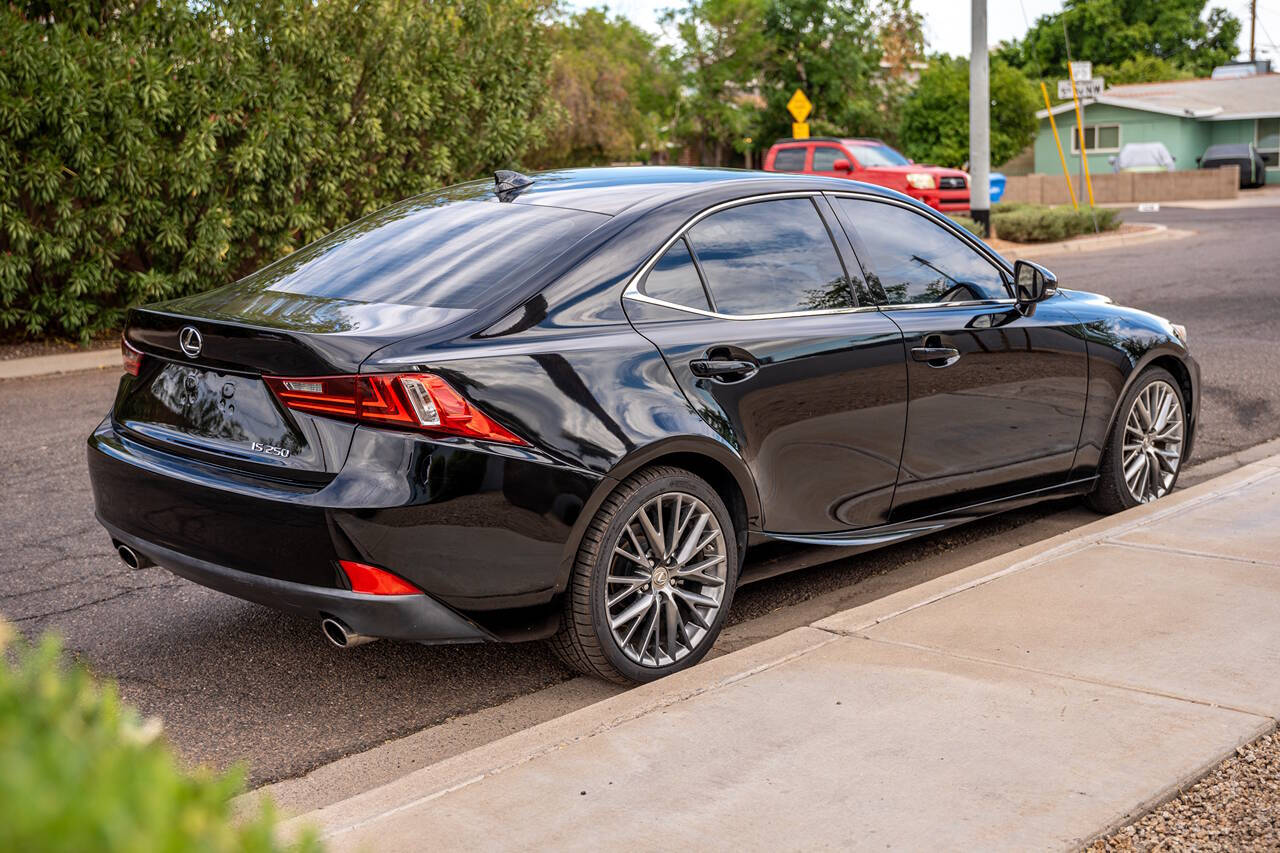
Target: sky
947 21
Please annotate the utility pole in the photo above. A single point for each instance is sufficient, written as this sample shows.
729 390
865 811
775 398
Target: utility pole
979 122
1253 26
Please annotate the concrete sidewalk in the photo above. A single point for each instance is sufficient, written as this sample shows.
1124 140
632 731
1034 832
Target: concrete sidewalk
1033 701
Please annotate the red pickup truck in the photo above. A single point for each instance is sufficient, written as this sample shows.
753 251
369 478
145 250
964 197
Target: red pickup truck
873 161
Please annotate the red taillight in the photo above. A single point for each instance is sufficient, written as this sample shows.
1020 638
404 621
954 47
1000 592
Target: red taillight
131 358
375 581
411 400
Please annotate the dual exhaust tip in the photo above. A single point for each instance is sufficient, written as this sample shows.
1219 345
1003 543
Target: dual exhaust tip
335 630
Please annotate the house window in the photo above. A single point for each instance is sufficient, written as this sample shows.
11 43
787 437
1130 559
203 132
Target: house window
1267 139
1097 138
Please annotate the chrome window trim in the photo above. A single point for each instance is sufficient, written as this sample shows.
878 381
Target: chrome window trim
632 290
965 237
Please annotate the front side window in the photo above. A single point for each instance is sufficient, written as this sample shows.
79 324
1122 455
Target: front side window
916 260
770 257
674 278
789 160
825 157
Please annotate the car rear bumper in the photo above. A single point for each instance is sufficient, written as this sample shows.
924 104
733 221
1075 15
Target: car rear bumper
483 534
419 618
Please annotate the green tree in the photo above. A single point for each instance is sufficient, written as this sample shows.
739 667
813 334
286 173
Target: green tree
616 89
935 117
1108 32
1142 68
721 48
832 51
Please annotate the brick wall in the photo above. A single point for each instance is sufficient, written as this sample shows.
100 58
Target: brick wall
1127 187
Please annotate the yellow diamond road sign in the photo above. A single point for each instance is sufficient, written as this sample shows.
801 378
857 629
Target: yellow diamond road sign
799 106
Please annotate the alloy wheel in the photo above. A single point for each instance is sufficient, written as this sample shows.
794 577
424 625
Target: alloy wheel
1153 442
666 580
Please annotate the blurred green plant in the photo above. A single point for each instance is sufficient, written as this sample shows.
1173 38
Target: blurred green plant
967 224
935 116
80 771
1027 223
150 149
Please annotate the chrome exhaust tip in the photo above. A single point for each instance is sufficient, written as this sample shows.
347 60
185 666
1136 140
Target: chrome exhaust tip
340 635
132 558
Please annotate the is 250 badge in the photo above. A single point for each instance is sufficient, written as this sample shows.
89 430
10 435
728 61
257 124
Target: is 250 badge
269 449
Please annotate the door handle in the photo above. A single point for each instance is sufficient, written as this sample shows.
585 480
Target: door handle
724 369
936 356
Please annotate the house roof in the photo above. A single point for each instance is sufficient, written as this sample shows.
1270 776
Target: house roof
1205 99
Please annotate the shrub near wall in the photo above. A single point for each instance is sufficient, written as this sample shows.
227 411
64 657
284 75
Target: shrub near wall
1025 223
150 149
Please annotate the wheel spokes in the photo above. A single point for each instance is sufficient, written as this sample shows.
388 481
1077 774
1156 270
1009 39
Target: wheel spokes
666 579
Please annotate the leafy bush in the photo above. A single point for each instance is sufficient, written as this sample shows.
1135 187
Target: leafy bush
1023 223
967 224
81 772
149 149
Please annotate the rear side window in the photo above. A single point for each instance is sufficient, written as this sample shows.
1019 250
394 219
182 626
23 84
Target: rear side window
825 157
789 160
770 257
674 278
917 260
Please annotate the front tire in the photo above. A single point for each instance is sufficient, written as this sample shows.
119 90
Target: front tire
653 580
1144 452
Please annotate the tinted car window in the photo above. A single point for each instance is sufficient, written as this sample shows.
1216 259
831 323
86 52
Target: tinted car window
431 250
770 256
789 160
825 157
674 278
916 260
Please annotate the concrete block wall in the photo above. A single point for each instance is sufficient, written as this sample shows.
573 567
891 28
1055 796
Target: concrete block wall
1128 187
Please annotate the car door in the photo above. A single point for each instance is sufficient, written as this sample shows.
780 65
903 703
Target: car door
757 317
997 397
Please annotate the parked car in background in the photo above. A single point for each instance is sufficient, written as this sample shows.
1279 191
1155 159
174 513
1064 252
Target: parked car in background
873 162
564 405
1143 157
1253 169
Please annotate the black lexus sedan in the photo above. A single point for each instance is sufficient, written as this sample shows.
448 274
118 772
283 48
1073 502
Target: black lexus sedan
562 406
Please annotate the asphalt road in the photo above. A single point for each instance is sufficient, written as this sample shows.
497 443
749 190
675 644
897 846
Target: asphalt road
234 681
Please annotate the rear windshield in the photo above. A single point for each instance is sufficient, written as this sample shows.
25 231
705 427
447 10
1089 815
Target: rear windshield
433 250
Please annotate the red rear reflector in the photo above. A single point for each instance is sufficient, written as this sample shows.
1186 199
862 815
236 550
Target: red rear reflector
131 358
374 581
411 400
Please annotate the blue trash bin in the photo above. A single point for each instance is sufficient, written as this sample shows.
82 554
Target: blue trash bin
997 187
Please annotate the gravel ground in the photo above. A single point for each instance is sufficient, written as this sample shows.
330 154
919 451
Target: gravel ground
1234 808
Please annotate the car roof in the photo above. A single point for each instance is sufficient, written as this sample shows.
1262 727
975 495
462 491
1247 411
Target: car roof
610 190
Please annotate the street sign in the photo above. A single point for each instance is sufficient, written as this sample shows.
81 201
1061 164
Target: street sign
1082 72
799 107
1087 89
800 130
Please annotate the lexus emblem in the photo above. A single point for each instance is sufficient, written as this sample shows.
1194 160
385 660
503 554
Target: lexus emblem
190 341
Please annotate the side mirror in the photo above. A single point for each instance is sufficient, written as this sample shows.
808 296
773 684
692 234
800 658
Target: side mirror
1032 283
842 165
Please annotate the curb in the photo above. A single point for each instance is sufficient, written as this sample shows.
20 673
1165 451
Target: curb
1152 233
49 365
473 766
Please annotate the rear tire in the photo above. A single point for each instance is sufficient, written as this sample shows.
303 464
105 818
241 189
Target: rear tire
1145 448
653 580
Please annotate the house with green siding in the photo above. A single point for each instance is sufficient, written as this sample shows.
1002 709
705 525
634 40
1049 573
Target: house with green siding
1186 115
